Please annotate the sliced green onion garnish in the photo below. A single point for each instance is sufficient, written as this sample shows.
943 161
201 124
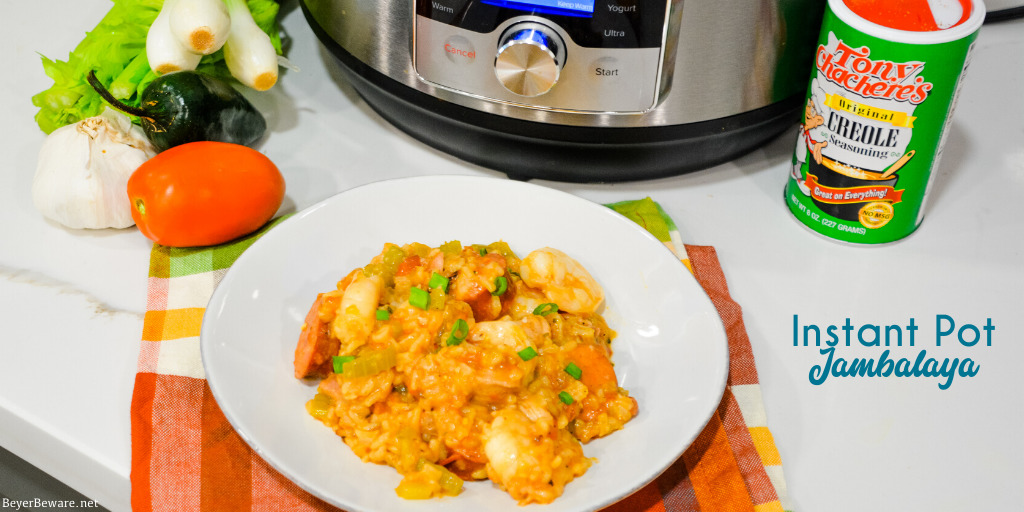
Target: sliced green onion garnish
566 398
419 297
338 361
500 285
382 314
546 309
527 353
482 251
459 332
438 281
574 370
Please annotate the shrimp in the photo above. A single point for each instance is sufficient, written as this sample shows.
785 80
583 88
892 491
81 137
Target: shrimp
528 459
498 368
513 457
524 300
357 312
499 333
563 280
537 329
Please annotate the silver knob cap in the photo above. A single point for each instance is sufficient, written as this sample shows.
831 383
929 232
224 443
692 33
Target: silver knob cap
530 58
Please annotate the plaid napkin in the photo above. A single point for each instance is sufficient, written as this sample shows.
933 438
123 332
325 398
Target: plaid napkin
733 465
186 456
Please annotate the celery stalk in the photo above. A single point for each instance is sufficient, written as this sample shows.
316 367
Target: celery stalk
124 86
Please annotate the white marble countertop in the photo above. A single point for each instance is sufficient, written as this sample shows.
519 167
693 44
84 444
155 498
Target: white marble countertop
72 302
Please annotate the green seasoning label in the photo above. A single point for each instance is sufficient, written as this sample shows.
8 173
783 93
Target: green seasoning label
872 130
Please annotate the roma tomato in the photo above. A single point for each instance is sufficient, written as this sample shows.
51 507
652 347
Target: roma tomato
204 193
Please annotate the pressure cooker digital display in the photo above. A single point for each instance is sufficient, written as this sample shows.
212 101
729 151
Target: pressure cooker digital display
568 7
565 55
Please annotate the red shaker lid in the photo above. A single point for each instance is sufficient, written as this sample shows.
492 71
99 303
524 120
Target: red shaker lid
913 15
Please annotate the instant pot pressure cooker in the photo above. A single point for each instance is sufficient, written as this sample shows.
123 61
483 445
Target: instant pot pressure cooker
578 90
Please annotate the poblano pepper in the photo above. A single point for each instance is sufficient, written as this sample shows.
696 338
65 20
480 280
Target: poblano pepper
189 106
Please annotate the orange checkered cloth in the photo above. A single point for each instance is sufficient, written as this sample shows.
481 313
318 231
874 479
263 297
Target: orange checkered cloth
186 456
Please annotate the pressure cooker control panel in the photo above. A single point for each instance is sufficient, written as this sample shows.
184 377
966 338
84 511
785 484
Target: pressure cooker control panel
567 55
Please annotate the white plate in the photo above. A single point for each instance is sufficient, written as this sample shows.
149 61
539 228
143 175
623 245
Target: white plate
670 353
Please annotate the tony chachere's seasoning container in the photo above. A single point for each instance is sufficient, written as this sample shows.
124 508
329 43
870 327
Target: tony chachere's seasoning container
878 107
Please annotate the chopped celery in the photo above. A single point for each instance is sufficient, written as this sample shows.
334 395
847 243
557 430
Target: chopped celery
503 249
418 249
451 484
437 298
391 258
370 363
427 480
338 362
319 406
452 248
373 269
410 489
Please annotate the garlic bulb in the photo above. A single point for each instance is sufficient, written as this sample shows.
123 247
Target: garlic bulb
82 175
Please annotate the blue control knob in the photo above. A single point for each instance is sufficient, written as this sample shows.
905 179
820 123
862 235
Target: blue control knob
530 58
